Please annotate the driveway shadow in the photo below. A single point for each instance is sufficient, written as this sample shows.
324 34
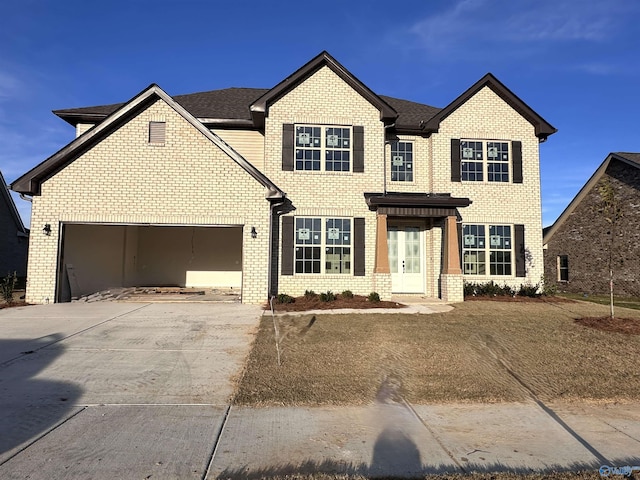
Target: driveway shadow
31 404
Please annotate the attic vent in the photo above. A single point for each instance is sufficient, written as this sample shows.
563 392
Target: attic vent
157 132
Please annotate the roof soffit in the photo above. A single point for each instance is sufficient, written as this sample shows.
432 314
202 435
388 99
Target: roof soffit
259 108
542 128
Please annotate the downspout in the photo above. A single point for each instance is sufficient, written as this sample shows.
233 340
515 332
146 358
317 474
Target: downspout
384 157
24 197
272 207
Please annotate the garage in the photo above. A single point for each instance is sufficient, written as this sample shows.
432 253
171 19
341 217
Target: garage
96 257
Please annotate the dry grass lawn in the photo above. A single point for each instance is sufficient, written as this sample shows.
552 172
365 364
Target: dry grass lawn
479 352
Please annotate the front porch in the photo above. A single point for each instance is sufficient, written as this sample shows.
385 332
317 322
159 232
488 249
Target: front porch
417 243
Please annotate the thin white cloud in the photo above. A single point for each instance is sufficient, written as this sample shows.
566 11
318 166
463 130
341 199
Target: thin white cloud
10 86
470 26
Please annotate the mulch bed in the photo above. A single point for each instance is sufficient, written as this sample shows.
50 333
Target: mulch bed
14 304
628 326
303 303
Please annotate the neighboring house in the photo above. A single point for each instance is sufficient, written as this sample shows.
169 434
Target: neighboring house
578 244
317 183
14 238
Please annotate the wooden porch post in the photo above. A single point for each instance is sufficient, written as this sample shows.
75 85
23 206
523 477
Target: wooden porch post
451 247
382 253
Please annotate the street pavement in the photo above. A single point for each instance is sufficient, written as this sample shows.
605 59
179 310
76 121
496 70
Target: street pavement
142 390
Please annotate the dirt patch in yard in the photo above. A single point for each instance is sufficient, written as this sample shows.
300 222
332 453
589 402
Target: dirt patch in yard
478 352
628 326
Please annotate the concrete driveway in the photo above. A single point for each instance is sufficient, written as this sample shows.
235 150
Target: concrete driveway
117 390
141 391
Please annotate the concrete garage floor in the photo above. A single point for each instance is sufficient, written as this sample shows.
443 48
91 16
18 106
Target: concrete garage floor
137 390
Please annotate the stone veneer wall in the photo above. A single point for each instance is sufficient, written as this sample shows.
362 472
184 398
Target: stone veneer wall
584 237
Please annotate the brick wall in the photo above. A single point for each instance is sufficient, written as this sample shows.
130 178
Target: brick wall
487 117
124 179
326 99
585 237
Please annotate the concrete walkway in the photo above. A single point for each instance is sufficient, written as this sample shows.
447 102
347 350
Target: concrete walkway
123 390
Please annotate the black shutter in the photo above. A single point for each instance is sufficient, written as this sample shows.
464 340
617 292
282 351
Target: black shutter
287 246
287 147
521 269
455 160
358 247
358 149
516 152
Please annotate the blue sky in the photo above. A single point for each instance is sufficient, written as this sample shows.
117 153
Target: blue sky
576 62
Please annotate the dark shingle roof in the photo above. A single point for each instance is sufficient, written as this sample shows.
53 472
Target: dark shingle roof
410 114
233 104
634 157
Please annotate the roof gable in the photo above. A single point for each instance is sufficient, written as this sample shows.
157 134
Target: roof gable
632 159
31 181
7 199
259 108
542 128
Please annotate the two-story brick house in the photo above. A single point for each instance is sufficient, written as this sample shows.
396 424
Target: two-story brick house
317 183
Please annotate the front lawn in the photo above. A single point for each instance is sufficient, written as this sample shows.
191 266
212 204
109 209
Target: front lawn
479 352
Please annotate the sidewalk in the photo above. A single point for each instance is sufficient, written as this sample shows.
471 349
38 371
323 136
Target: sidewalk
394 439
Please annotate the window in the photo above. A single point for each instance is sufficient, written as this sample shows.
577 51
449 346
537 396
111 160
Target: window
476 250
563 268
157 132
314 143
323 245
473 165
401 161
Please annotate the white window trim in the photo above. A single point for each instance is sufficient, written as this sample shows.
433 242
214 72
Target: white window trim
324 245
485 161
323 148
487 250
413 162
560 268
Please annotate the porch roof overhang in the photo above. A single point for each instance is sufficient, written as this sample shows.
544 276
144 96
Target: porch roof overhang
431 205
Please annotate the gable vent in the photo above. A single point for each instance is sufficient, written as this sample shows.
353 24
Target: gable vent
157 132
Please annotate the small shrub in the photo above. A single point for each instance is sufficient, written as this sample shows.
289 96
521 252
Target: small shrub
310 294
347 294
329 296
284 298
488 289
470 289
374 297
529 290
7 286
548 289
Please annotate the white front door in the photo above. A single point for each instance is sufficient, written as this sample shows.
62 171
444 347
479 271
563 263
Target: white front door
406 259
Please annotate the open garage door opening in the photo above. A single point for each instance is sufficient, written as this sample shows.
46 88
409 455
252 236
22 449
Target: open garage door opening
94 257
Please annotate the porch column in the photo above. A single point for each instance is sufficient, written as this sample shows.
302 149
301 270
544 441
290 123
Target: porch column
382 253
451 248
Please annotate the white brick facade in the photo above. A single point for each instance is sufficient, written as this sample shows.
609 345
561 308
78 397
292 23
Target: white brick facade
194 180
125 180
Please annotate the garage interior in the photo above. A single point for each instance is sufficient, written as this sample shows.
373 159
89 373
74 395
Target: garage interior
96 257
